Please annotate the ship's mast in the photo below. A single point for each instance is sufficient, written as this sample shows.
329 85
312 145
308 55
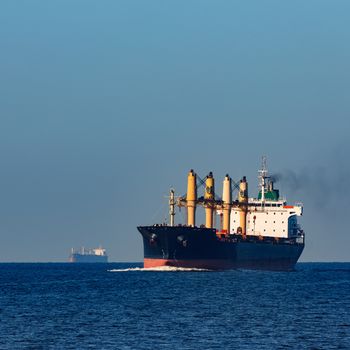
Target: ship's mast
263 172
172 207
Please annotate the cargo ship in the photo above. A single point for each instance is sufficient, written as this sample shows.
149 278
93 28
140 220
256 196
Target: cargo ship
252 233
91 255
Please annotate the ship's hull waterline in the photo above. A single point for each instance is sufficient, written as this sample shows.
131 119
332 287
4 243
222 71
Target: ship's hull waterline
80 258
192 247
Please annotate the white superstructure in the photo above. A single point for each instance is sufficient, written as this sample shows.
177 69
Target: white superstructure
99 251
268 215
274 218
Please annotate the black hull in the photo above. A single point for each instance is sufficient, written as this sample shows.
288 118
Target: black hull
201 248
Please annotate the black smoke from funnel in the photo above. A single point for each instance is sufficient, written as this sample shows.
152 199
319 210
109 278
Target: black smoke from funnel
292 180
321 186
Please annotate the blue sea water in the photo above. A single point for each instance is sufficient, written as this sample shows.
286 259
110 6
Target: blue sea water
120 306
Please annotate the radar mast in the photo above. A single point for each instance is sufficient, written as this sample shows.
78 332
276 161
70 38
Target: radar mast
263 175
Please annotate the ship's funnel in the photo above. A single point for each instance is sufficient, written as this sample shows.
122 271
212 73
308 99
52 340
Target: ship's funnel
191 198
243 204
209 195
227 201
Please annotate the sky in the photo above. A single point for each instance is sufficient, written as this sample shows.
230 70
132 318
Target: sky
104 105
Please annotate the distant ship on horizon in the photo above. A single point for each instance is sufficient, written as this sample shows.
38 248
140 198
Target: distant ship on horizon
88 255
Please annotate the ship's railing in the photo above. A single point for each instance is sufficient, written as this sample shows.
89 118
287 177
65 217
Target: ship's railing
260 239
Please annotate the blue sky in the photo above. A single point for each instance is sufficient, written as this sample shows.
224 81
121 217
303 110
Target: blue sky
106 104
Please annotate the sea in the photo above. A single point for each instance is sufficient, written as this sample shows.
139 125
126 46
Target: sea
123 306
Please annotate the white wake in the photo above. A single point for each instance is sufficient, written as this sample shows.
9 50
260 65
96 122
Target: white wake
160 269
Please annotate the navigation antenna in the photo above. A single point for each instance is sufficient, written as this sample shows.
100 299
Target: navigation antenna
263 172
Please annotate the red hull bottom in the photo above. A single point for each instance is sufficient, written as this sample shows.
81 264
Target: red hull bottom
218 264
195 263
